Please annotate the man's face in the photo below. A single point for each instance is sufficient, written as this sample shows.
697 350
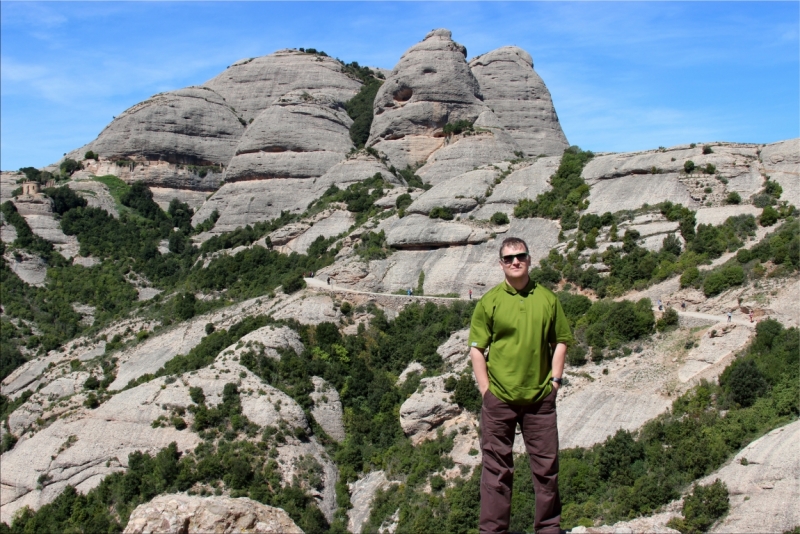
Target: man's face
519 265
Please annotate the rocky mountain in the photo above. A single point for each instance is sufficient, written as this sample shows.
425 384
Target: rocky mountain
271 336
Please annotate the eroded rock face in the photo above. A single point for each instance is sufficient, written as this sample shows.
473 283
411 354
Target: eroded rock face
464 153
419 231
327 410
96 195
30 268
520 99
425 410
362 494
194 125
300 136
459 194
782 163
189 514
430 86
251 85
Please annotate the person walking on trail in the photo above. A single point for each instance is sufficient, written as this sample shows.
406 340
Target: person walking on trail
521 327
660 307
751 316
329 280
683 305
470 294
730 315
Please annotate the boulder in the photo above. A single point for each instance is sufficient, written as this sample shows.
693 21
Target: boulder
781 162
251 85
520 99
301 135
411 368
427 408
430 86
190 514
327 409
194 125
267 338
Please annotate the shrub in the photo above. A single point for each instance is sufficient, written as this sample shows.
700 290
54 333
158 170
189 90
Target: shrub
576 355
733 198
670 318
718 281
91 383
403 201
441 213
293 283
773 189
707 149
69 166
671 244
688 166
709 169
91 155
745 383
769 216
499 218
690 276
359 108
702 508
185 306
64 199
457 127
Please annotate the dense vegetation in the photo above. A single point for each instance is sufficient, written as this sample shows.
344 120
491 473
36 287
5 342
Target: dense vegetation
632 474
568 193
359 108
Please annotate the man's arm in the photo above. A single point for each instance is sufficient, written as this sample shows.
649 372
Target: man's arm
479 368
559 355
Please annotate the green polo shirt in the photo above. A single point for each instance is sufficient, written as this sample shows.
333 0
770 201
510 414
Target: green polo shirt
518 327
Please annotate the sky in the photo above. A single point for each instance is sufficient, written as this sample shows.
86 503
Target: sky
624 76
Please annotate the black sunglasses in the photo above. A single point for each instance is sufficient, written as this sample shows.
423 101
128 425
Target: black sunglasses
509 258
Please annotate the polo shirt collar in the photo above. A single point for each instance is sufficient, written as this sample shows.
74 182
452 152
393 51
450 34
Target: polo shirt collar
527 289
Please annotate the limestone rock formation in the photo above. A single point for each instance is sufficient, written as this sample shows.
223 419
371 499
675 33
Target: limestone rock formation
327 410
187 514
362 495
251 85
782 163
519 98
459 194
96 195
489 144
425 410
526 182
194 125
30 268
454 351
301 135
430 86
419 231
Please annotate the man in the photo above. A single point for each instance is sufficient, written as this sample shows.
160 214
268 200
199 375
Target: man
525 329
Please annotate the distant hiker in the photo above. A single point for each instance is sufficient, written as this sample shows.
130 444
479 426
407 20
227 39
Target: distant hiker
470 294
730 316
660 306
751 316
329 280
683 305
409 292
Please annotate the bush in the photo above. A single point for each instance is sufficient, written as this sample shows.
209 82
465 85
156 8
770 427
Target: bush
499 218
769 216
718 281
69 166
733 198
293 283
773 189
457 127
403 201
707 149
576 355
745 383
441 213
709 169
670 318
185 306
672 245
688 166
64 199
702 508
359 108
91 155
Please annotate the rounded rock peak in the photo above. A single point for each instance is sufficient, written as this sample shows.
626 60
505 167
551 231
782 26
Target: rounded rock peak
504 53
441 32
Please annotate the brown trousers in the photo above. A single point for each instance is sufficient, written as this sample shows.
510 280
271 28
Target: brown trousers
540 433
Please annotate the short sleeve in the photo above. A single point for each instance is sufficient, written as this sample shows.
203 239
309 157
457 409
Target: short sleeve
480 330
560 331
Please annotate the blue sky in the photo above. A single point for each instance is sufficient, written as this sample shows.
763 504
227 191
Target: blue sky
624 76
